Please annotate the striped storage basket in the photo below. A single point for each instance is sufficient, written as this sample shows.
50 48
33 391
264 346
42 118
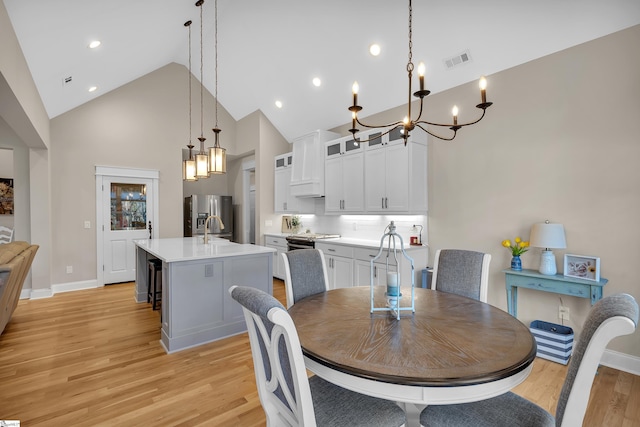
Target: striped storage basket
555 342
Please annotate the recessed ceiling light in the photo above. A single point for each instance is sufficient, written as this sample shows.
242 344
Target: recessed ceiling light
374 49
279 104
93 88
317 82
94 44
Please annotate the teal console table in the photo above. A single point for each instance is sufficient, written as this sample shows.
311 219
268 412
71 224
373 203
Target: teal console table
558 284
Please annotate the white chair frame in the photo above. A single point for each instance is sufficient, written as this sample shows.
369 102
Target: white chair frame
579 396
6 234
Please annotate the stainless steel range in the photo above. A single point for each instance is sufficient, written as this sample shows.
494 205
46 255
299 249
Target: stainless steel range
306 240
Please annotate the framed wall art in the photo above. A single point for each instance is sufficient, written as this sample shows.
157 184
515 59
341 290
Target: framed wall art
6 196
582 267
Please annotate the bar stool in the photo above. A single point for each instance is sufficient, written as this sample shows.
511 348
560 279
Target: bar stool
154 285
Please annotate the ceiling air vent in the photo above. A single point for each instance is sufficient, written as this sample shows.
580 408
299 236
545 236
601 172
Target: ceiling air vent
458 60
66 81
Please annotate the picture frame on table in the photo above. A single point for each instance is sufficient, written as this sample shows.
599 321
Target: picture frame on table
582 267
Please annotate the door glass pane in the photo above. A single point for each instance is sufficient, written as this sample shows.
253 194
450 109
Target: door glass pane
376 139
352 145
333 149
128 206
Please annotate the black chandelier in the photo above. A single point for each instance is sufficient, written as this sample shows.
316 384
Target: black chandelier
409 124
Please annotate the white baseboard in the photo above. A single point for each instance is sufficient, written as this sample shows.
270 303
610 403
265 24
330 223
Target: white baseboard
74 286
621 361
55 289
40 293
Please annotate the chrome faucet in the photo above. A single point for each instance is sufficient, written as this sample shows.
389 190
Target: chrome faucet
206 226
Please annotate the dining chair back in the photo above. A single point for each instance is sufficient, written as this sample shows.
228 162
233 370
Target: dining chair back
610 317
6 234
305 274
288 396
462 272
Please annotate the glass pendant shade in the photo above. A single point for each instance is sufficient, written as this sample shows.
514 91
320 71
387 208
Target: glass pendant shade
218 160
189 170
202 165
217 156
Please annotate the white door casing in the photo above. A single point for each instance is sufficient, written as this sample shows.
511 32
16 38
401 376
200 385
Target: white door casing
115 249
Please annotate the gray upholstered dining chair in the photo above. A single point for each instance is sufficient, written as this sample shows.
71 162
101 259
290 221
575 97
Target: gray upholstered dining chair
305 274
610 317
462 272
288 396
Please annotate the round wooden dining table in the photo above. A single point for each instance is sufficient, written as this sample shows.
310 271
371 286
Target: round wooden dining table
453 349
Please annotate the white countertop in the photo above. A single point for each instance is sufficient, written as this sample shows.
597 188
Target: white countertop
193 248
352 241
365 243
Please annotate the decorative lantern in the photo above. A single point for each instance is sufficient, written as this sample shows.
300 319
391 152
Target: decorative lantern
393 294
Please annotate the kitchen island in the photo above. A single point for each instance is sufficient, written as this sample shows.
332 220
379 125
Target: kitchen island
196 306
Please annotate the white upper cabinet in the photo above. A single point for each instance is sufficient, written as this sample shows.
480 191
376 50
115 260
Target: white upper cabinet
307 177
379 177
344 176
394 175
284 201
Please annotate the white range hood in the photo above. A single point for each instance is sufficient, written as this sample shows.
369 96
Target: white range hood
307 175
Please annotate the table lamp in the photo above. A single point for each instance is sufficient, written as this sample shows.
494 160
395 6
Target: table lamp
548 236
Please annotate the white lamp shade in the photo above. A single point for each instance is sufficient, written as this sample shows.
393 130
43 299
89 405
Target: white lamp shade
546 235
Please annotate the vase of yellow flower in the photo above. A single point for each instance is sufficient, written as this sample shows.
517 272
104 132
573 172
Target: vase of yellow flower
518 248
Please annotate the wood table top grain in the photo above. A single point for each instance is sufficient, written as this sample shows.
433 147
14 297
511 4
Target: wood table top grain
449 341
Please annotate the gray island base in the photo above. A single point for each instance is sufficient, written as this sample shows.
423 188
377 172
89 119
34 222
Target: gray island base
196 306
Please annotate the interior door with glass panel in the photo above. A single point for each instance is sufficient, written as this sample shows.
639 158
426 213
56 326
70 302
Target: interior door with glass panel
126 218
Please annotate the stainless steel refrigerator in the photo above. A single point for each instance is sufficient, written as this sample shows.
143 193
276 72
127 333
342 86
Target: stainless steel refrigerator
198 207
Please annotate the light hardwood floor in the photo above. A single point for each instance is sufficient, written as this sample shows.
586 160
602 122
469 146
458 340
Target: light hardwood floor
92 358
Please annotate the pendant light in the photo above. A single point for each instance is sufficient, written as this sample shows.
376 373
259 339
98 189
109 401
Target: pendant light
217 154
189 165
202 160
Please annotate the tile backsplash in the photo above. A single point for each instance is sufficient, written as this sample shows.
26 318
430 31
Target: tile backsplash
369 227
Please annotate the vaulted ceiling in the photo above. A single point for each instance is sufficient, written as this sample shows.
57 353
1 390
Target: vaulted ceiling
271 50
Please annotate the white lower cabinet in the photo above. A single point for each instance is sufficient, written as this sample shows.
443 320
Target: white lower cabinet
340 271
362 276
280 245
363 257
350 265
339 260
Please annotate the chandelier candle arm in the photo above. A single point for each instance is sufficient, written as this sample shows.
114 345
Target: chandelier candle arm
408 123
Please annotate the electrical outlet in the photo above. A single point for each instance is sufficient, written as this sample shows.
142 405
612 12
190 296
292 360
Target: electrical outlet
208 270
69 269
87 224
563 313
268 223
